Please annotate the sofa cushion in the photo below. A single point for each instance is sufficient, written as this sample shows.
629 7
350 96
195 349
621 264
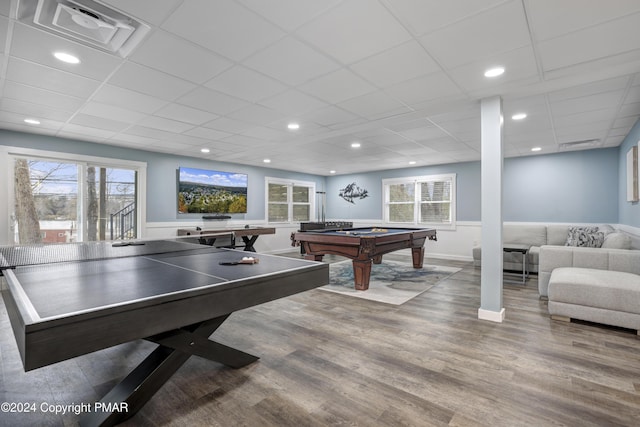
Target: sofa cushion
617 240
534 235
557 234
588 237
612 290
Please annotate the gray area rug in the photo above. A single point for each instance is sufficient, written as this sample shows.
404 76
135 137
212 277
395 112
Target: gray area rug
392 282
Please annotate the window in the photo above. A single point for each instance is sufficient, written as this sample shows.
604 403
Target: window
73 199
289 201
422 201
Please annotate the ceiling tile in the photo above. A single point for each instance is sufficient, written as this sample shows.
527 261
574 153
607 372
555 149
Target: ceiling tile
587 103
475 38
585 118
185 114
593 88
15 121
225 124
5 8
169 54
552 19
151 11
38 111
112 112
135 101
520 65
223 26
246 84
604 40
4 27
396 65
374 105
206 133
371 35
291 61
31 94
38 46
289 14
39 76
293 102
337 86
150 82
633 96
97 123
426 88
330 115
73 131
166 125
211 101
423 16
256 114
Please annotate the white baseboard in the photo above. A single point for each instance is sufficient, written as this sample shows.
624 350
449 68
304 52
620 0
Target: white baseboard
493 316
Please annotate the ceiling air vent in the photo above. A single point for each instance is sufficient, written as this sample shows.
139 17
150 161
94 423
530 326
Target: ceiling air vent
579 145
85 21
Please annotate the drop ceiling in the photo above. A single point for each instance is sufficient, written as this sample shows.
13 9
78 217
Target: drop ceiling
404 78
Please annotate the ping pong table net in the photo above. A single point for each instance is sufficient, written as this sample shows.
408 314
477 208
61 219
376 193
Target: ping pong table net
13 256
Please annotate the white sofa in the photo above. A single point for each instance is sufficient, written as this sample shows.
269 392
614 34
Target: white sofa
538 235
595 284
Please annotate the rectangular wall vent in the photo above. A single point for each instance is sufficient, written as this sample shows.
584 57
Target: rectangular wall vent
585 143
85 21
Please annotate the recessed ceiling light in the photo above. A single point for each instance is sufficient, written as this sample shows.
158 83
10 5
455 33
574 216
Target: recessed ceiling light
32 121
293 126
66 57
267 160
494 72
205 150
332 172
412 162
355 145
519 116
536 149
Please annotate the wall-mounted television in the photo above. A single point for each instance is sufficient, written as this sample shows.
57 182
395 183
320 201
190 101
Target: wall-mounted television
211 191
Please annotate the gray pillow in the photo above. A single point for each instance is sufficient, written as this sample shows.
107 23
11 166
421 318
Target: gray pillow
588 237
617 240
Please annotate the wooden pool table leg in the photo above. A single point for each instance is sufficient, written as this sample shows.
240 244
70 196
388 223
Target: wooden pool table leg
362 273
417 255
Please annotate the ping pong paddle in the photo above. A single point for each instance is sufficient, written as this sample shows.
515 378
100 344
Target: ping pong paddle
244 260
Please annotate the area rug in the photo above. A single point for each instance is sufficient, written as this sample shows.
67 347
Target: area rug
392 282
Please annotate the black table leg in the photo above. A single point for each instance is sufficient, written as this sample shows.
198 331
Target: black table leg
249 241
175 348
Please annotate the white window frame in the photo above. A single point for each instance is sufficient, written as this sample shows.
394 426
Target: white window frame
9 154
416 180
289 184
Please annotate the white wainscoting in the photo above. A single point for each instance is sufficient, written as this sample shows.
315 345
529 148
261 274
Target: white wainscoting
451 244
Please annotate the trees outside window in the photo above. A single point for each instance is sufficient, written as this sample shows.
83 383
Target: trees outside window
58 201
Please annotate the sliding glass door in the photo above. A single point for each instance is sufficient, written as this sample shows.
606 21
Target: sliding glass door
69 201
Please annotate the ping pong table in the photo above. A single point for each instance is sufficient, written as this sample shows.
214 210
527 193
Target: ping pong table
68 300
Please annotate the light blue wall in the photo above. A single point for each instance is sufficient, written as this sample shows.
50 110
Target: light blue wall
467 177
564 187
629 213
583 186
161 173
575 186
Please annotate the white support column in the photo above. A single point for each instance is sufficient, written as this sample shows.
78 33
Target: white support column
491 210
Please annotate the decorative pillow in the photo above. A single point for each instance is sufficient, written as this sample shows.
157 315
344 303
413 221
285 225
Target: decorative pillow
617 240
588 237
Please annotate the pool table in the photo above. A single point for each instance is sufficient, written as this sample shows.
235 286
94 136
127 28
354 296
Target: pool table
364 246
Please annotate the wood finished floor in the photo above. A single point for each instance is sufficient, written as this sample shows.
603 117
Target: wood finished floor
332 360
